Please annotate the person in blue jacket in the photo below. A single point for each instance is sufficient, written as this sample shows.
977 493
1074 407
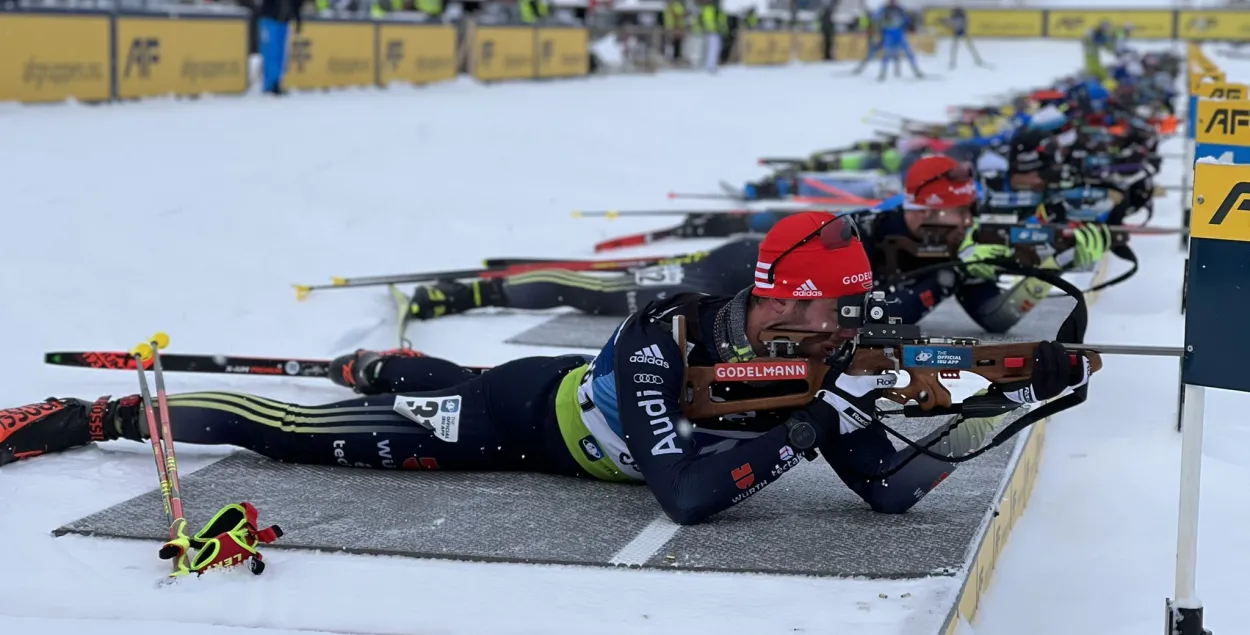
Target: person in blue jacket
894 24
616 417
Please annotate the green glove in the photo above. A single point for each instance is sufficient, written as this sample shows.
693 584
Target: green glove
1092 242
971 252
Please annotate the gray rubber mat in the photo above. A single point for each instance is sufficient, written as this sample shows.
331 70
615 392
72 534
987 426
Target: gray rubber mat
576 330
806 523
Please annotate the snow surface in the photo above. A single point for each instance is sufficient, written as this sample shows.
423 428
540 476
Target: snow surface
195 218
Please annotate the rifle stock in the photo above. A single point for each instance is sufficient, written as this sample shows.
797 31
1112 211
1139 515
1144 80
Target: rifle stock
926 360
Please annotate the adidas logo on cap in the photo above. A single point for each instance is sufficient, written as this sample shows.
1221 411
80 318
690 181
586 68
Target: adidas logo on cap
808 290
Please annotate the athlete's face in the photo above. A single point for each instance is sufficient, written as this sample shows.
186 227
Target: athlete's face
955 218
820 316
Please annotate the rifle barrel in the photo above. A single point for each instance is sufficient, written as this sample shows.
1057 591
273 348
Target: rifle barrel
1120 349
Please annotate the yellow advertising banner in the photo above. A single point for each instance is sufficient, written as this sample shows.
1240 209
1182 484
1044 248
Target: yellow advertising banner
503 53
1220 90
809 47
992 23
330 55
923 43
1221 203
853 46
1214 25
563 52
50 57
160 56
416 53
1074 24
1197 80
1225 123
763 48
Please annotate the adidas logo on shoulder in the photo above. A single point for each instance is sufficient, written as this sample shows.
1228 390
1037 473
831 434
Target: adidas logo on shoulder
650 355
808 289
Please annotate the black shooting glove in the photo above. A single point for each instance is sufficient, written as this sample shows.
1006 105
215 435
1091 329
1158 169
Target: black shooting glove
1055 368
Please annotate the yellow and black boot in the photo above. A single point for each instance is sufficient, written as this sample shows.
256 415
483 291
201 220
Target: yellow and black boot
447 297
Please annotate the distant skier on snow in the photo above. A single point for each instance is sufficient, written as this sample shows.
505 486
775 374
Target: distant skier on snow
894 24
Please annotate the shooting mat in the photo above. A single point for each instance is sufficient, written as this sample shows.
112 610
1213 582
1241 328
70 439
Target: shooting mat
807 523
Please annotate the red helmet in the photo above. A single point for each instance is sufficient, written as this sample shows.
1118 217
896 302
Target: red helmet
812 255
940 182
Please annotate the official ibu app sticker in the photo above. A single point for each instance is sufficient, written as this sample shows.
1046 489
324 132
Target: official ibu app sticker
1031 235
447 425
938 356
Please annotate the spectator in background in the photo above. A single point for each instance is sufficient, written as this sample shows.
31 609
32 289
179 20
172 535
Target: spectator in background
274 24
533 10
828 28
675 24
714 24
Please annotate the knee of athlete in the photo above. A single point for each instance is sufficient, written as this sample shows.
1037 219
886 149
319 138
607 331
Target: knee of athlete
998 321
415 374
998 315
889 500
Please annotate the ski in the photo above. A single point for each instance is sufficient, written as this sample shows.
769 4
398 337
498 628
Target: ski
532 264
642 238
183 363
207 364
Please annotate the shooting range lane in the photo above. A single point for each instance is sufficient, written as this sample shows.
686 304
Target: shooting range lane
807 523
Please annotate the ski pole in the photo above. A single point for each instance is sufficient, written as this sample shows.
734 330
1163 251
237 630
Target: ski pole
161 436
709 196
302 290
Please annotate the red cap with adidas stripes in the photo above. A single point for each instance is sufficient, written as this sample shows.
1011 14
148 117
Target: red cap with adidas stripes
810 256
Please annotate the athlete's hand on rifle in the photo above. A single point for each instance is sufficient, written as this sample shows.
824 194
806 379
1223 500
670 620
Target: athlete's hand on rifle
973 253
1055 369
1092 242
844 403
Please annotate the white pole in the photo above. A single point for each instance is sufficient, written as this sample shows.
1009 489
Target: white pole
1191 484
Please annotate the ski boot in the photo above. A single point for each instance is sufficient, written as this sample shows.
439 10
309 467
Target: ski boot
447 297
55 424
358 370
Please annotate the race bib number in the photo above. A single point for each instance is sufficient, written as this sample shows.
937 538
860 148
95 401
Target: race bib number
441 415
659 276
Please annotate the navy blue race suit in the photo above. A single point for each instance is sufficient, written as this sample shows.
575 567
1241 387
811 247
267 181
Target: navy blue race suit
615 418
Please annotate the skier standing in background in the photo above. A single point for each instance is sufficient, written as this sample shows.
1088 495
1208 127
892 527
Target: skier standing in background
893 22
958 25
867 22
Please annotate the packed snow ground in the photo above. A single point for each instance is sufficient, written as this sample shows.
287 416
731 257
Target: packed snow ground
195 218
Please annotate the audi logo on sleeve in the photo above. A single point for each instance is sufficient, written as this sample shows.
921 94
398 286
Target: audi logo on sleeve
647 378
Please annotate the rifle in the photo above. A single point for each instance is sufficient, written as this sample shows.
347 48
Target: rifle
879 350
885 348
941 243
